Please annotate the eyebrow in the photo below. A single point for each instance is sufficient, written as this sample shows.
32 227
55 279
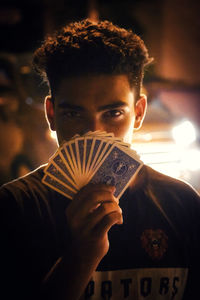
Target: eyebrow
71 106
113 105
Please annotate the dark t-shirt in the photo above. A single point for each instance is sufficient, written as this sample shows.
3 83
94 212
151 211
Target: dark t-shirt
153 255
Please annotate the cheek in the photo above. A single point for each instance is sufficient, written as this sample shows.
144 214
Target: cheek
124 129
65 130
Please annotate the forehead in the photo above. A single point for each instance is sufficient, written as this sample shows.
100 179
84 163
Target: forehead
94 89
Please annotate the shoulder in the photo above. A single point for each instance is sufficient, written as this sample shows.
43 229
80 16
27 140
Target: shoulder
26 192
171 194
162 182
24 184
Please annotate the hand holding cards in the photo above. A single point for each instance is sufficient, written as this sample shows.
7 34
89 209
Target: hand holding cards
96 157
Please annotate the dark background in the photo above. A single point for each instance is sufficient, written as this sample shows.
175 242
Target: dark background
170 29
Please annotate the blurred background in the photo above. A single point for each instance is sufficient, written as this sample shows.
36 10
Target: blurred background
169 140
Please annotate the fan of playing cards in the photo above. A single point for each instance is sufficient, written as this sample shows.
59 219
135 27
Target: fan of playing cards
96 157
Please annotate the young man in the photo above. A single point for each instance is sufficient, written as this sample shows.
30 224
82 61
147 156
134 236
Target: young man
144 246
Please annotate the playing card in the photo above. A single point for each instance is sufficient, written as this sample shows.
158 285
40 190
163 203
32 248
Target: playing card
99 144
89 144
69 160
80 159
80 149
73 155
53 171
95 153
96 157
117 169
57 186
61 164
106 145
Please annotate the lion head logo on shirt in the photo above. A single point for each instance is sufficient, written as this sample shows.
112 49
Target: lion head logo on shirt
154 242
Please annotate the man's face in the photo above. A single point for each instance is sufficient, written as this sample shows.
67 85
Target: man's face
100 102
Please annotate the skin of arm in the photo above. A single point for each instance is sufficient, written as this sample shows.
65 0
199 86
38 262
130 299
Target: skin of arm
90 215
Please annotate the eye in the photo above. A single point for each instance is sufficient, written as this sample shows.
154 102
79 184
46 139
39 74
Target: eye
114 114
72 114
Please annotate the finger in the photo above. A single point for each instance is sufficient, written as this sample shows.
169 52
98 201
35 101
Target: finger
97 198
104 209
90 188
87 200
88 197
107 222
92 207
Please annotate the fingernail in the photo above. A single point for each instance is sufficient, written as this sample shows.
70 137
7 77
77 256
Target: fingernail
113 188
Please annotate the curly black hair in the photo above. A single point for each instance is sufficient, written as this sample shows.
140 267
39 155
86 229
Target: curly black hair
86 47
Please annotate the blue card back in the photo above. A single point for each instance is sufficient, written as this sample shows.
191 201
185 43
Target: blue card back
117 169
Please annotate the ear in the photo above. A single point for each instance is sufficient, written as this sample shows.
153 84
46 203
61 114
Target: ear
49 112
140 111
